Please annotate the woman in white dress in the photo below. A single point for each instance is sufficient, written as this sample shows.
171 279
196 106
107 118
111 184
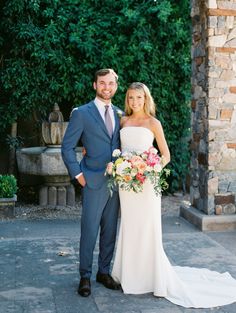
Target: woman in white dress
140 264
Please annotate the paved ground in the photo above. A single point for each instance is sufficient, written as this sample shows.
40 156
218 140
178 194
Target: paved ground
39 264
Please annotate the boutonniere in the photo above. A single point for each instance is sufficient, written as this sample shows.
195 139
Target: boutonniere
119 113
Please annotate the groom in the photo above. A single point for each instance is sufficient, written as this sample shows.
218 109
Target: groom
96 124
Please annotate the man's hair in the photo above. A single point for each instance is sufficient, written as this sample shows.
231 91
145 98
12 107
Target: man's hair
105 71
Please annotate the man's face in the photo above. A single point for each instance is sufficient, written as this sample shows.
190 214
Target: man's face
105 87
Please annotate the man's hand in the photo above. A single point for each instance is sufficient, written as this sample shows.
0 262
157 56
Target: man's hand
81 180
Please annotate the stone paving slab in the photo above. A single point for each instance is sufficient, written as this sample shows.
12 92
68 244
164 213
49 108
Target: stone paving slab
39 268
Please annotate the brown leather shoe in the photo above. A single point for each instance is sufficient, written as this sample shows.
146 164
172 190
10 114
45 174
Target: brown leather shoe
84 287
107 281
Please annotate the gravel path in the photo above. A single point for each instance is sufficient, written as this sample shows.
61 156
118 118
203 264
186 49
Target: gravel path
170 206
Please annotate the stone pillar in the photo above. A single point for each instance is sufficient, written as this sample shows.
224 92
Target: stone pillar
213 144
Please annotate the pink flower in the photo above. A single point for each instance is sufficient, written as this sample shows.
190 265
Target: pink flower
153 159
109 168
139 163
141 167
135 160
141 177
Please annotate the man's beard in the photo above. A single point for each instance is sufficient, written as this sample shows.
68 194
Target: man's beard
105 97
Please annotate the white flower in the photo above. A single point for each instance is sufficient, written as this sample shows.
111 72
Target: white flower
133 172
157 168
127 155
153 150
116 153
119 113
122 166
149 169
144 156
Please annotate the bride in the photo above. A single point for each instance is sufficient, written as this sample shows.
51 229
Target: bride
140 264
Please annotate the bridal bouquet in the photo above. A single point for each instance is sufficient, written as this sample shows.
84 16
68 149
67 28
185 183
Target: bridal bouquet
132 169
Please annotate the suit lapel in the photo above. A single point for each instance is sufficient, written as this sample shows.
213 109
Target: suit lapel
117 120
97 116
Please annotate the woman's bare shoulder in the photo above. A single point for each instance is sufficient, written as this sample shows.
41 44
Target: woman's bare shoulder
123 120
154 123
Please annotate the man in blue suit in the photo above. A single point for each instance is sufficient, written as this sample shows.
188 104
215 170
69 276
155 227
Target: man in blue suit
96 124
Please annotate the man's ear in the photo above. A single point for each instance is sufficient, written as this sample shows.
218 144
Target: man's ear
94 86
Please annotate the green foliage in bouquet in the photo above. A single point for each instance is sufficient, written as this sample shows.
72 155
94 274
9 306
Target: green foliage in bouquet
51 49
8 186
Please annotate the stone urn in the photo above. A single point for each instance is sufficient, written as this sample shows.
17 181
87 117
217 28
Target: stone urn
47 162
54 129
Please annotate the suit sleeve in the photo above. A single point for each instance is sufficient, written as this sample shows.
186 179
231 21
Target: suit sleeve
72 136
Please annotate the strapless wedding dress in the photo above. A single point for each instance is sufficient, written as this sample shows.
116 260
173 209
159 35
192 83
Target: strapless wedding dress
141 265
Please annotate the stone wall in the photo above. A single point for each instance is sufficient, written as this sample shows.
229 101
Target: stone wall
213 145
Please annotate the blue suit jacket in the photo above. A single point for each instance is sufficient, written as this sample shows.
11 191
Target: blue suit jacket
87 125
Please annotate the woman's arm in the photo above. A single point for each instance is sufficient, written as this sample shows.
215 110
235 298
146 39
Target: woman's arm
161 141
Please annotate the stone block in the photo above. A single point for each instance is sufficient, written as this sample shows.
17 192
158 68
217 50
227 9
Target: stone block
232 34
233 119
212 21
211 135
211 204
43 196
224 62
221 84
218 124
225 49
232 89
61 196
224 199
202 146
214 72
218 209
198 60
196 137
232 187
229 5
52 195
231 43
202 159
223 186
193 104
226 114
222 12
211 32
227 75
213 185
229 208
231 145
217 41
228 161
215 92
211 4
229 22
221 22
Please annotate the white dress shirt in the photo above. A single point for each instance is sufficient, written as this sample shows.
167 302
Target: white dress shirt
101 108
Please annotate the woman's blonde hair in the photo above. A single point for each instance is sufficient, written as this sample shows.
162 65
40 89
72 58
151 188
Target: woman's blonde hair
149 105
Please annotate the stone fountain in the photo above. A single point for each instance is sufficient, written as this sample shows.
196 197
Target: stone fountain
47 162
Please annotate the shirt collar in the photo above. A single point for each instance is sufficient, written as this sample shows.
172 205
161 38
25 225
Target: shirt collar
100 104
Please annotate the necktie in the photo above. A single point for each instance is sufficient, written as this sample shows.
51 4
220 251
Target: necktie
108 121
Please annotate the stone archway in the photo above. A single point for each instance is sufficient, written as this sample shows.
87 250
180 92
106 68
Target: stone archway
213 145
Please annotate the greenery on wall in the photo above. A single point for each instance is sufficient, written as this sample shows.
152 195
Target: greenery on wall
51 49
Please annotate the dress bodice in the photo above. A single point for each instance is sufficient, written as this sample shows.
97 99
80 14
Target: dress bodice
136 139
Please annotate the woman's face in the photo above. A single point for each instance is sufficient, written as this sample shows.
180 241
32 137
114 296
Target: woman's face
136 100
